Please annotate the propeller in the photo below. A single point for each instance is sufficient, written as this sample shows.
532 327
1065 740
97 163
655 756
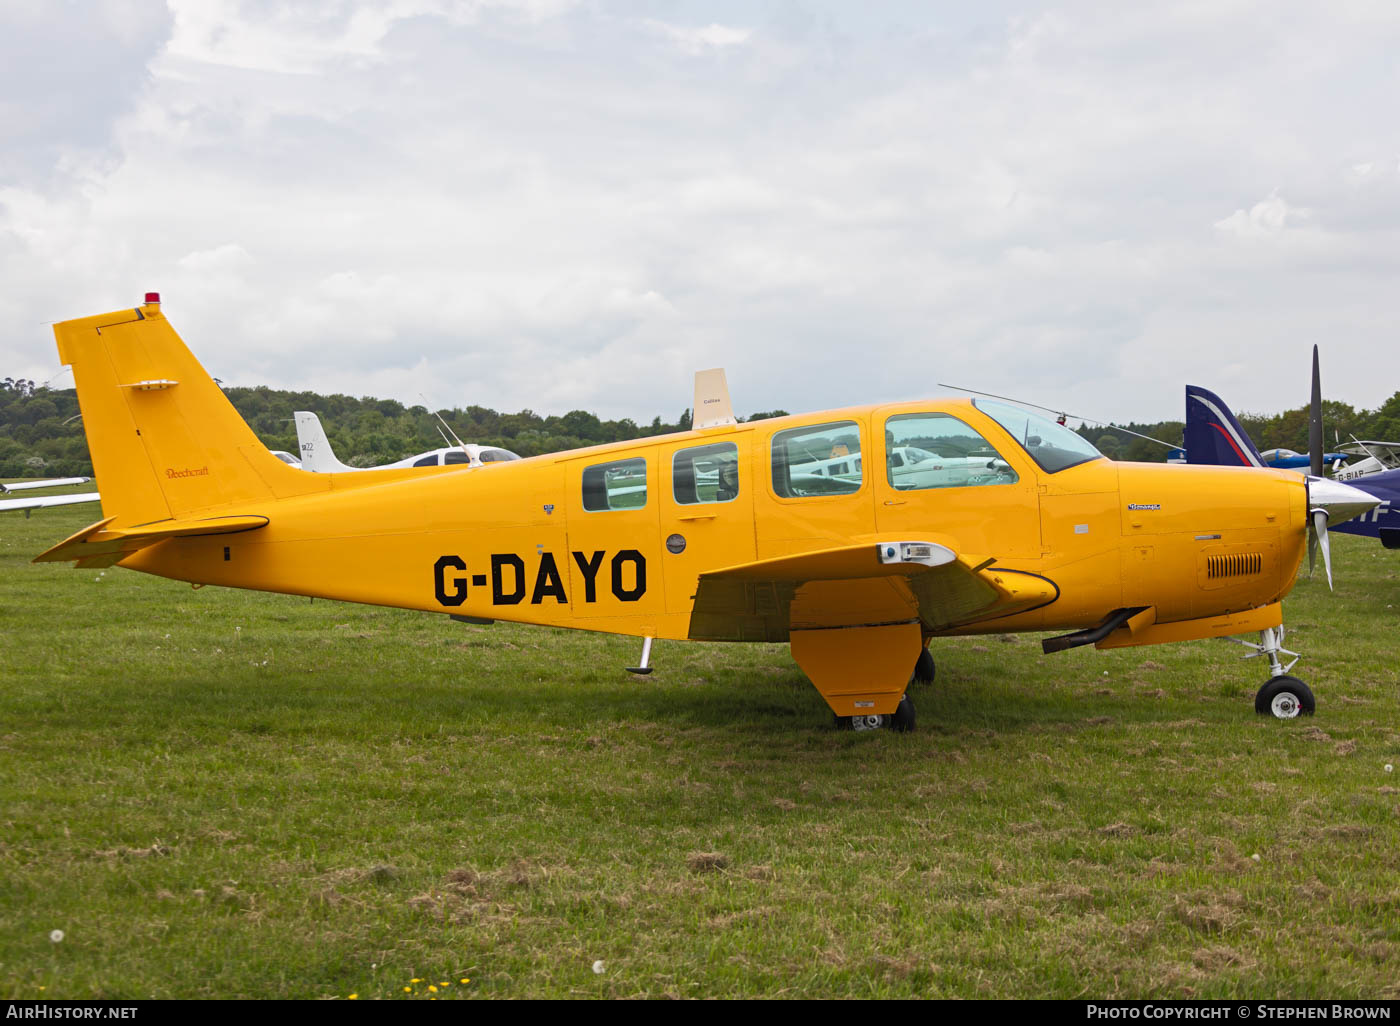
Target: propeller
1329 501
1315 420
1317 536
1317 515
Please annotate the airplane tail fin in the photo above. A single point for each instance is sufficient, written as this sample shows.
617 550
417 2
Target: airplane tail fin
1213 436
316 452
165 441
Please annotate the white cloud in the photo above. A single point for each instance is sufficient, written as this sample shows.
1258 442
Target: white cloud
1268 217
550 204
697 40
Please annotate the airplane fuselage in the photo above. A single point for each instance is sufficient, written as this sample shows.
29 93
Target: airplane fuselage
520 543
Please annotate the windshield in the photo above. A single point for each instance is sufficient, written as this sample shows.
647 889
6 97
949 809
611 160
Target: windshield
1053 446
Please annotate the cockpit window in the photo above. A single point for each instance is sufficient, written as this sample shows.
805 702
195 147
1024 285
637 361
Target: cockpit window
1053 446
427 461
706 473
823 459
618 485
455 456
936 450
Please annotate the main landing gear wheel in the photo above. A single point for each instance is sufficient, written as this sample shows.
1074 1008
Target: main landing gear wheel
901 720
924 669
1284 698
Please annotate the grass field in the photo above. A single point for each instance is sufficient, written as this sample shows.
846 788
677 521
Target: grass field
217 793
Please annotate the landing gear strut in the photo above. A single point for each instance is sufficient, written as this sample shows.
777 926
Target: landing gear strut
1282 696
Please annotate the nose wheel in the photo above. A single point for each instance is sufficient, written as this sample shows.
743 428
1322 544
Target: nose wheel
1285 698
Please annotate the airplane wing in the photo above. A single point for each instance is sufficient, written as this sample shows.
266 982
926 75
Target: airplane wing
48 500
97 545
50 482
858 586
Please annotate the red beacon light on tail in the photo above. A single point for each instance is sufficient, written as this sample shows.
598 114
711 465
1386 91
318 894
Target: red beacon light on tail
153 297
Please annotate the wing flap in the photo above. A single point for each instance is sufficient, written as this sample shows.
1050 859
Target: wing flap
857 586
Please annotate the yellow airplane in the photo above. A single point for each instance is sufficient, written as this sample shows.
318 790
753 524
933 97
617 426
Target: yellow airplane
801 529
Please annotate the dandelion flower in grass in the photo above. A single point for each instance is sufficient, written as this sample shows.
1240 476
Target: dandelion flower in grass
56 935
352 997
432 989
599 968
408 990
466 979
445 983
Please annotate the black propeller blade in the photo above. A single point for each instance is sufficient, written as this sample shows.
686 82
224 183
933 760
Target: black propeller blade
1315 421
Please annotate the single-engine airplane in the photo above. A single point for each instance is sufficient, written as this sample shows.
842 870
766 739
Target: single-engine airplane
317 455
1376 457
710 534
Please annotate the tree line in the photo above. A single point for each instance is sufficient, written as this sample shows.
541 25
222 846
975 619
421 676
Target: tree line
41 432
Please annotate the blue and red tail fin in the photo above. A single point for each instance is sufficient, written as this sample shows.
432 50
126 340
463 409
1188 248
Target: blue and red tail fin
1213 436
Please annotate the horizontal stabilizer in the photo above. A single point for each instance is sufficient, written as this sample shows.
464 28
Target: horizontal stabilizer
96 545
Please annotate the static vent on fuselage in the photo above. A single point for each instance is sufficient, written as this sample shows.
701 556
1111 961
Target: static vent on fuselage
1240 564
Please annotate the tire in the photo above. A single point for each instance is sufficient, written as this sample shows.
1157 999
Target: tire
903 718
1285 698
924 669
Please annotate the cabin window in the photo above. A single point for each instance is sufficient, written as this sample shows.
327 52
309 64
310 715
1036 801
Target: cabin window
821 459
706 473
427 461
935 450
455 456
621 484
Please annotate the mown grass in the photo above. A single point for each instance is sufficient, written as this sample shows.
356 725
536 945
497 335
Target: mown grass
225 794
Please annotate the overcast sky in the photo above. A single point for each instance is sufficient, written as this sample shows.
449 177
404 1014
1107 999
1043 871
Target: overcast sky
562 204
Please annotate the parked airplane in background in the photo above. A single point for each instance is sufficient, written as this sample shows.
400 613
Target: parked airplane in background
41 501
1377 457
1287 459
1214 437
621 538
317 455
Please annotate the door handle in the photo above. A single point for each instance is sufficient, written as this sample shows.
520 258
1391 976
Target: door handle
895 502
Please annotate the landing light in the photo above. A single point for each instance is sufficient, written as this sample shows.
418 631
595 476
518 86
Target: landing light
927 553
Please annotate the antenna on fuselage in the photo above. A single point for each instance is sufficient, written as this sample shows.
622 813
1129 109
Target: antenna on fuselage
712 406
1060 415
460 444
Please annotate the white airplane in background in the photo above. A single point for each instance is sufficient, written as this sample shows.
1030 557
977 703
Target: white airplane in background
910 466
1380 456
40 501
318 457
